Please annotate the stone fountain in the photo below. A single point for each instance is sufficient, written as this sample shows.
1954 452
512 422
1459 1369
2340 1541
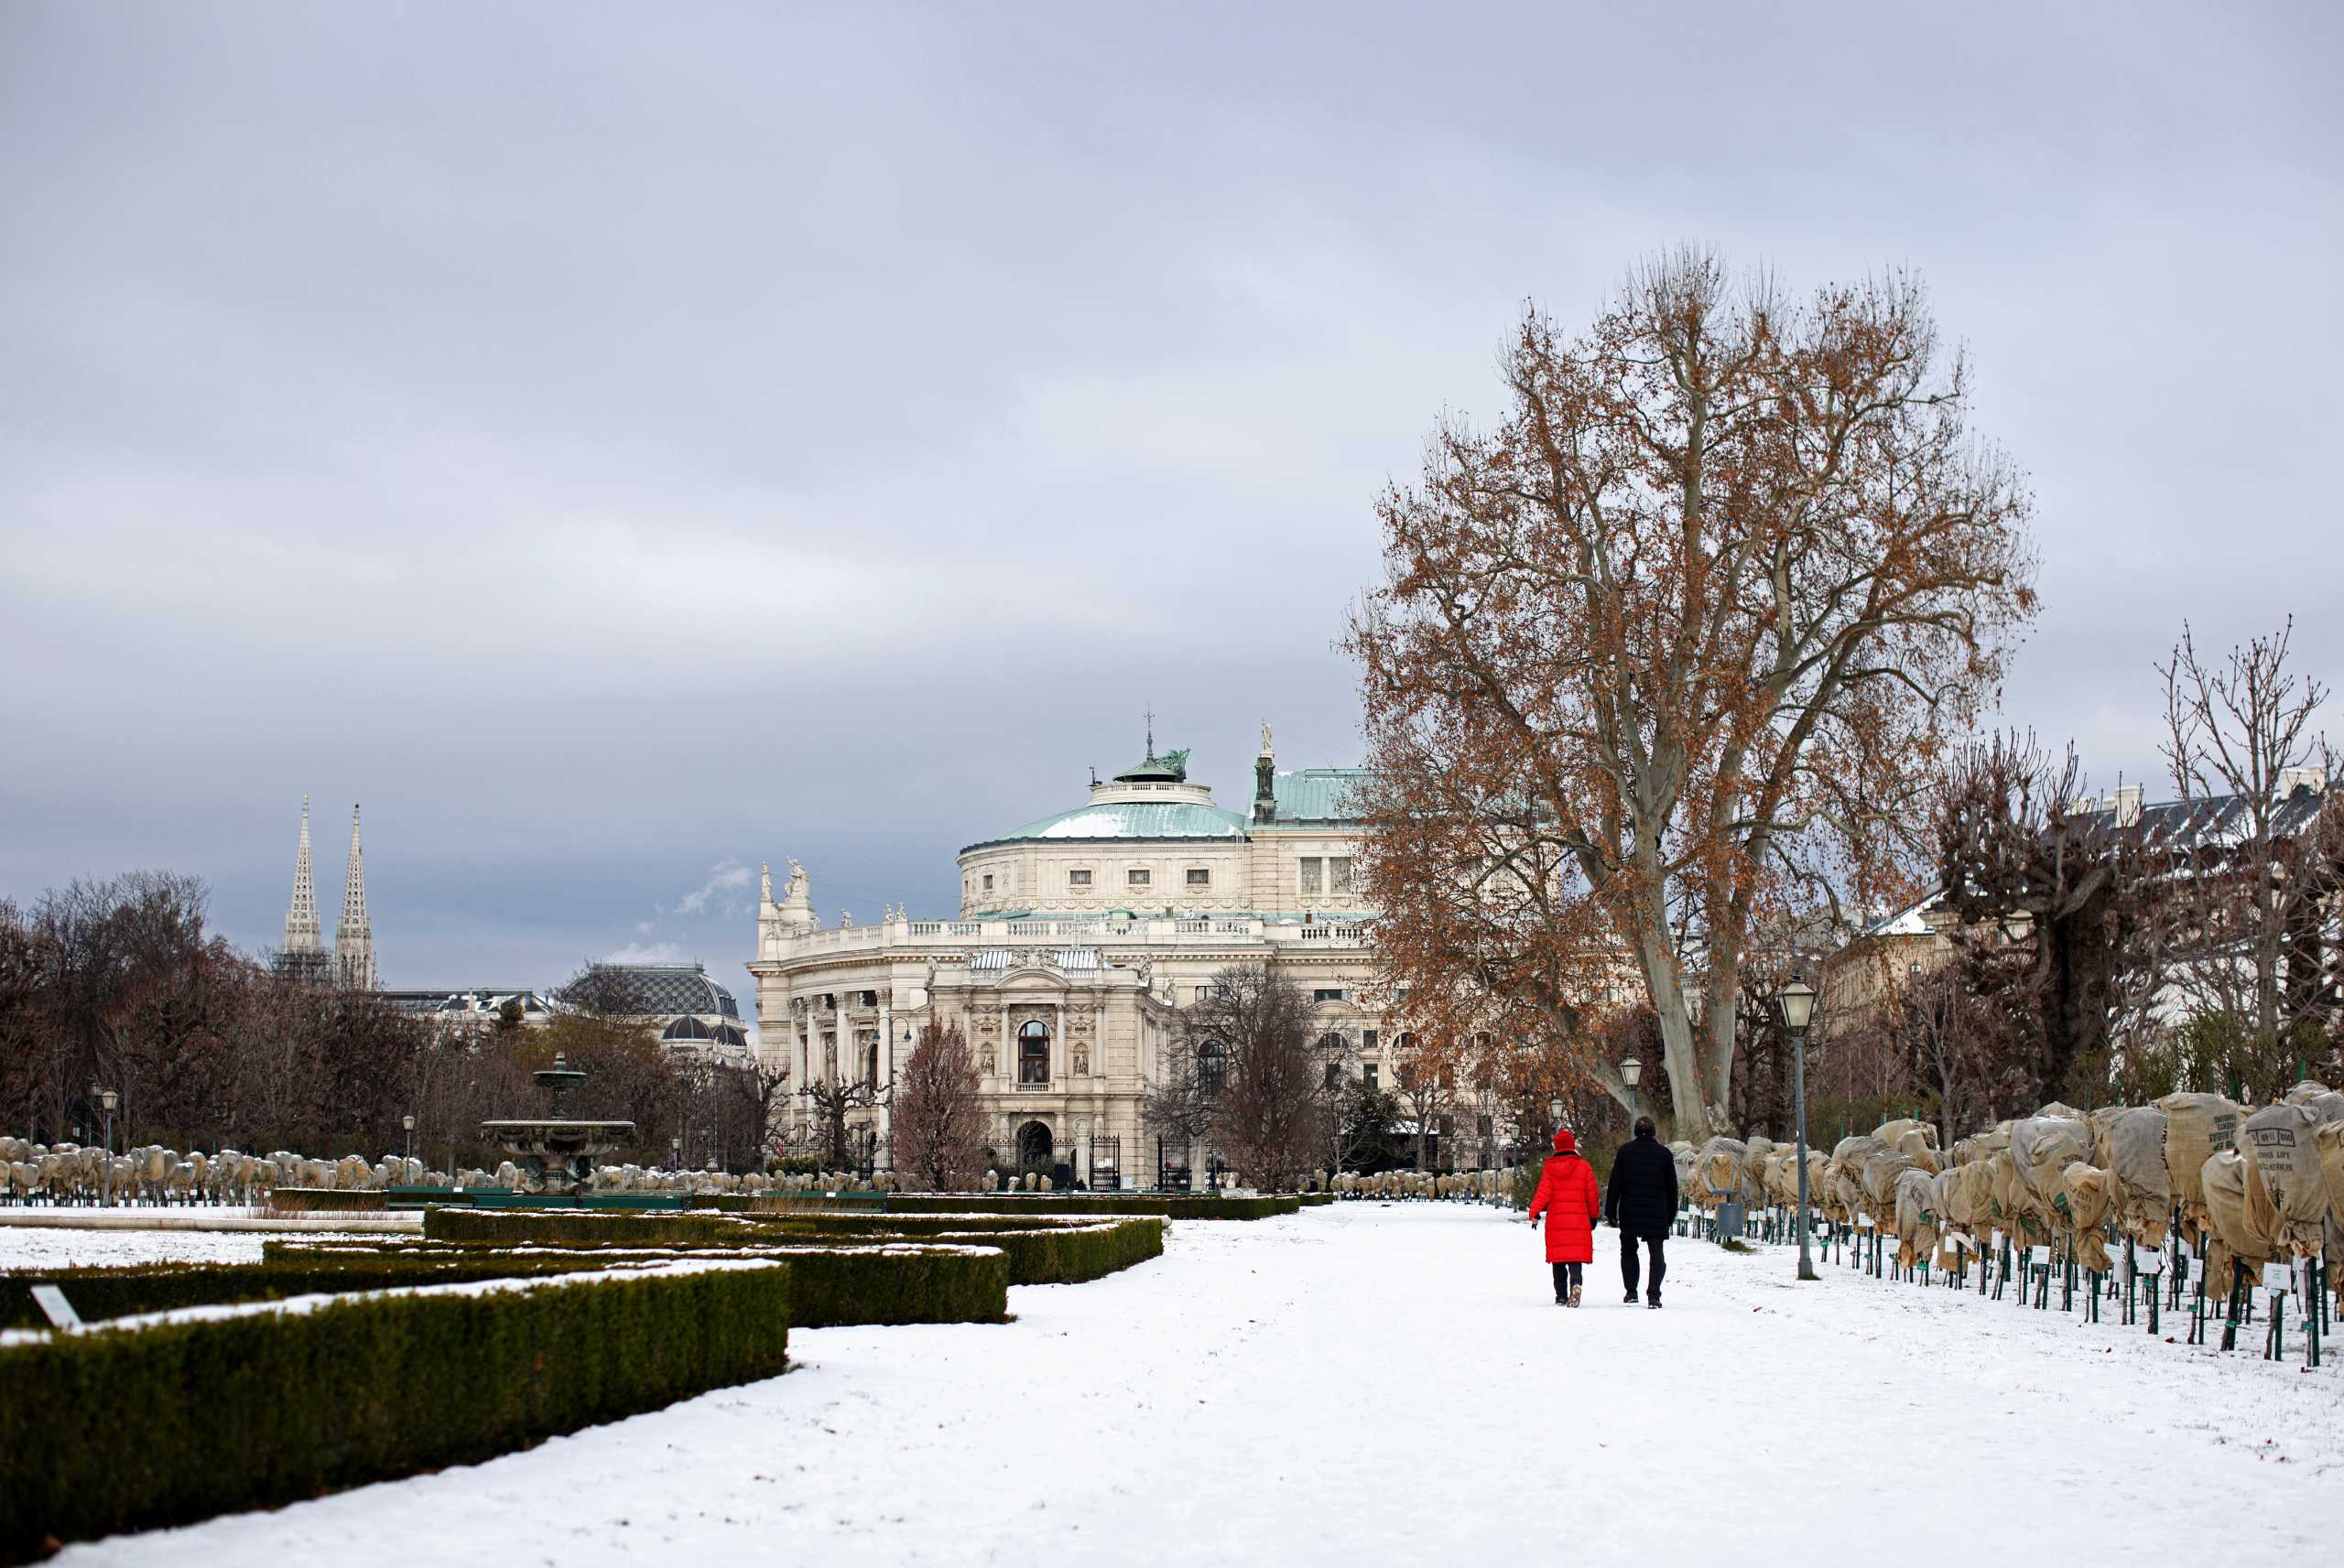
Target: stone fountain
559 1153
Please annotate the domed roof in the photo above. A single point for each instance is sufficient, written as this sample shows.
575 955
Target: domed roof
1132 820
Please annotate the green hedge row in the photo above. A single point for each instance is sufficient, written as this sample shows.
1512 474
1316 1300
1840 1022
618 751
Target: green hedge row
1168 1205
100 1293
1315 1200
1038 1254
1070 1255
830 1286
327 1200
139 1428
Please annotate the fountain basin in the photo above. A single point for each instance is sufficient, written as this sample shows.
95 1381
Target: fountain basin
564 1139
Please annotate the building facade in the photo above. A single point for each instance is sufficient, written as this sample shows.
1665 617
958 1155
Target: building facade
1080 938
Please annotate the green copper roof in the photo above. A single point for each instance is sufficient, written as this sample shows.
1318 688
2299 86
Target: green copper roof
1132 820
1314 796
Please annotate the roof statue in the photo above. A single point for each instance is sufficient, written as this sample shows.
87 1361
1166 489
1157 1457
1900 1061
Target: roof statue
1177 762
1265 738
765 883
798 901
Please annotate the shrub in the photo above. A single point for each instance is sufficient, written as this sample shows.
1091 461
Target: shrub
1070 1255
325 1200
1170 1206
176 1422
830 1286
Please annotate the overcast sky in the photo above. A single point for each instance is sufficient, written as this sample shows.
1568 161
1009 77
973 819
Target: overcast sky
621 445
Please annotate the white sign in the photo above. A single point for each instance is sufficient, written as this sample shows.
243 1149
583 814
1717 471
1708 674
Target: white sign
53 1305
2042 1256
2278 1277
1998 1239
2147 1260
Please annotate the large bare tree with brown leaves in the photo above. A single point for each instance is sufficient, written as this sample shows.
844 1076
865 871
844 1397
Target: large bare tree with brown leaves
1670 646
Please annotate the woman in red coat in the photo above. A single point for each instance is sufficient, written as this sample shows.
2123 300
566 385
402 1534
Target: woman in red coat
1568 1196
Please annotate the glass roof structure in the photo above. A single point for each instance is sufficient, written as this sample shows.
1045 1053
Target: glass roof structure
660 991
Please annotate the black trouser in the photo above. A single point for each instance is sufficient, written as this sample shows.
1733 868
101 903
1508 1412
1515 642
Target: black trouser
1628 1262
1565 1280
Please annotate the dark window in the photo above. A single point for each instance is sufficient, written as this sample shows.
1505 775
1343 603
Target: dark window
1332 1040
1367 1074
1200 877
1367 1040
1034 1052
1329 993
1334 1075
1212 1065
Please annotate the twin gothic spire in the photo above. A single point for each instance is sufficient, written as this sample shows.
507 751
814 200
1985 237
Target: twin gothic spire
304 953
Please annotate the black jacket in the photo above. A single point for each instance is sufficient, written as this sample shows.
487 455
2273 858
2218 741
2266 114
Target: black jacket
1641 1199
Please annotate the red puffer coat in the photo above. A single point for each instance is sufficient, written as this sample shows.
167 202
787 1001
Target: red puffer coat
1569 1199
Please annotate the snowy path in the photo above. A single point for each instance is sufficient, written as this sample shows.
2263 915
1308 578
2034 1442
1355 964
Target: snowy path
1362 1383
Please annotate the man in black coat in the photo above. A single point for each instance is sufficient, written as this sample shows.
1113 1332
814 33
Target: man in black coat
1641 1204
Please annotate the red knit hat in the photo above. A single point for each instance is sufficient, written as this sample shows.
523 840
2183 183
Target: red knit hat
1564 1143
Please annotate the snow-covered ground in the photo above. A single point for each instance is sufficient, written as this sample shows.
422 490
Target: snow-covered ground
1367 1383
42 1247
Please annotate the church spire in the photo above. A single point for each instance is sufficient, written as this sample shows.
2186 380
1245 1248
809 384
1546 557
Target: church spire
304 943
353 939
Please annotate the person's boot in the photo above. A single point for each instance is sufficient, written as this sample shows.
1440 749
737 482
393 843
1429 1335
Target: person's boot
1574 1295
1653 1303
1628 1300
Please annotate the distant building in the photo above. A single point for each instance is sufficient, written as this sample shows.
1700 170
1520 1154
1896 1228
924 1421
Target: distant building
304 956
480 1006
691 1013
1080 940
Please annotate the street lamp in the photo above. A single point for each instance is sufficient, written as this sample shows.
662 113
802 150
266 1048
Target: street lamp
675 1152
1554 1116
1631 1072
108 1098
408 1122
1795 1008
2017 924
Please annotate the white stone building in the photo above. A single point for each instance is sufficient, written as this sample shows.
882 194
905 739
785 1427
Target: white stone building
1080 938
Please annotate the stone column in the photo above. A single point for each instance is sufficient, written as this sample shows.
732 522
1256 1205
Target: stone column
885 1159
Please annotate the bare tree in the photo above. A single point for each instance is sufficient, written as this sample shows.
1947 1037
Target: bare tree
1271 1111
1673 644
2260 839
1424 1081
938 1131
2015 838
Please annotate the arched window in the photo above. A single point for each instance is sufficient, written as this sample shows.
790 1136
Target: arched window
1034 1052
1212 1065
1333 1041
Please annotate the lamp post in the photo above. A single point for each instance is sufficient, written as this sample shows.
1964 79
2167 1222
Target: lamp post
1631 1072
408 1121
675 1152
108 1098
1794 1007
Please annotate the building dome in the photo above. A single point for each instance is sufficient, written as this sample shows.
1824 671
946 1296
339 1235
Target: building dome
1131 819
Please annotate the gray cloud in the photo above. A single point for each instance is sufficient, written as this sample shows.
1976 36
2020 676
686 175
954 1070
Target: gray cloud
612 448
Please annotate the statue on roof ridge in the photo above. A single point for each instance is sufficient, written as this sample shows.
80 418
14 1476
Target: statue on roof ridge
1177 762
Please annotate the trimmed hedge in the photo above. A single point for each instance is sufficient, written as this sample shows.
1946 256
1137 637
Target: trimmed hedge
1168 1205
1038 1254
173 1422
830 1286
1072 1256
326 1200
1316 1200
99 1293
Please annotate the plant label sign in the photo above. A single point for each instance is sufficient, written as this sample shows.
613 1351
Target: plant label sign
55 1307
2278 1278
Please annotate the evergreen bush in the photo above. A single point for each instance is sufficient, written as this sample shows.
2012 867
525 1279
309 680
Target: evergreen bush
140 1427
